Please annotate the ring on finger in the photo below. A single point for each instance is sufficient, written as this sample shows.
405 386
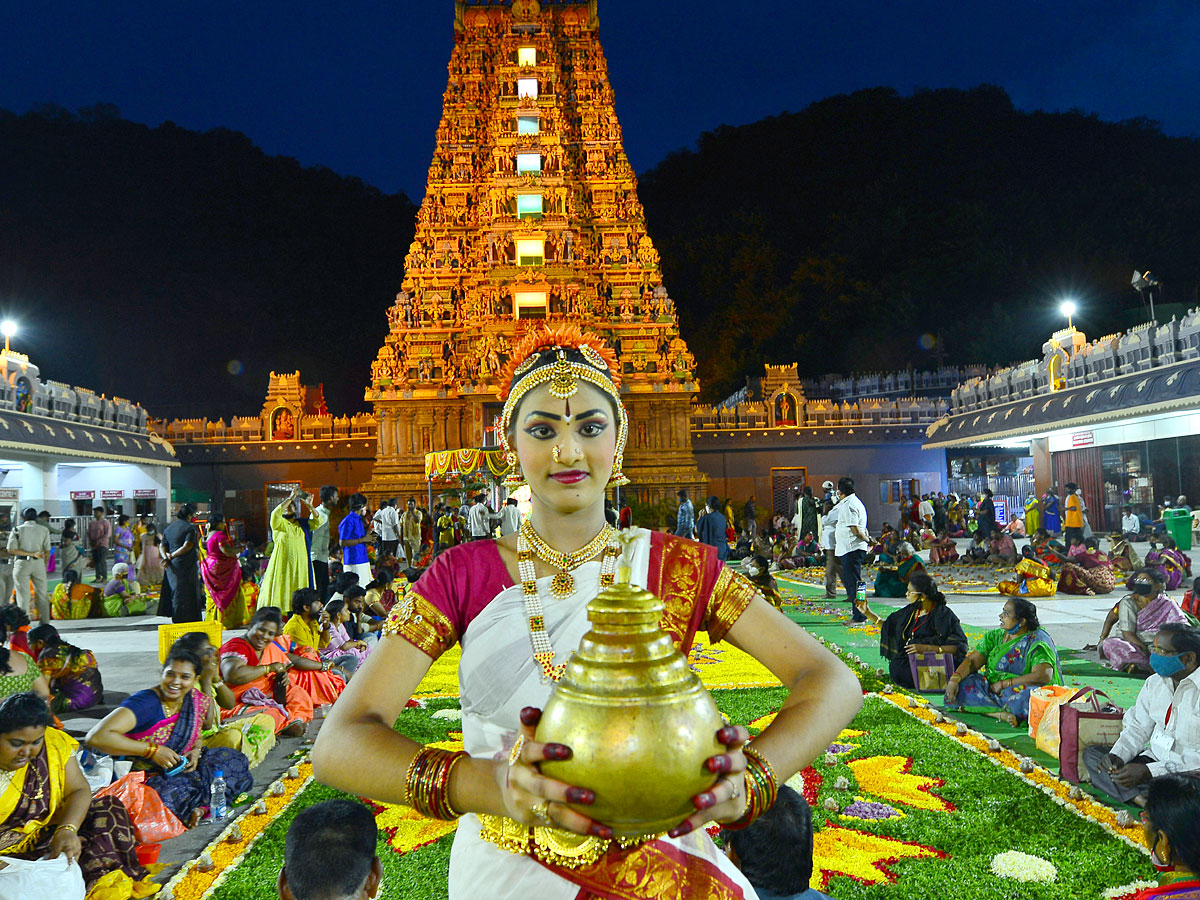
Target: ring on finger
514 755
541 811
736 791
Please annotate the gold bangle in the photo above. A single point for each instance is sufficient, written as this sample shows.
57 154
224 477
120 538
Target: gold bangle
67 825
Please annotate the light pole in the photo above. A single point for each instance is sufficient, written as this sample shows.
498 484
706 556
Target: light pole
1068 309
7 328
1144 282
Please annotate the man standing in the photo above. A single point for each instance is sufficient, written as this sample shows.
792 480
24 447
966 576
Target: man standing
99 534
479 520
685 522
29 542
319 555
829 545
6 560
711 528
852 541
387 526
1161 733
410 531
182 560
510 517
925 510
750 520
352 535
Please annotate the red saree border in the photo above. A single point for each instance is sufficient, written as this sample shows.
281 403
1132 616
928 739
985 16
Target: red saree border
654 869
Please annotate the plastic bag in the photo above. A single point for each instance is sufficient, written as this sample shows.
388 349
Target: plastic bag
152 821
24 879
98 770
1043 699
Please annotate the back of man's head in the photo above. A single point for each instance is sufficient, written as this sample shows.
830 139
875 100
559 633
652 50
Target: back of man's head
775 851
338 830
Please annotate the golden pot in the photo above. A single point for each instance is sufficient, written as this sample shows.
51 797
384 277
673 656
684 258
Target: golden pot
638 720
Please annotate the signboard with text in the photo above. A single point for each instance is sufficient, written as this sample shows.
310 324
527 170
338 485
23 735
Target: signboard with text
10 494
145 494
112 495
1083 438
83 495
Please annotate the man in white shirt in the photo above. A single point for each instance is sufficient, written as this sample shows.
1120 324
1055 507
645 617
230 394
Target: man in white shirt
387 526
832 567
851 541
1161 733
1131 525
319 526
29 543
925 510
479 520
510 517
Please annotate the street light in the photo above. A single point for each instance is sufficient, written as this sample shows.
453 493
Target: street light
7 328
1145 283
1068 309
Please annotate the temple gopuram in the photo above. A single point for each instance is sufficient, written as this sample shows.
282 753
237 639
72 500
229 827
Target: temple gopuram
530 214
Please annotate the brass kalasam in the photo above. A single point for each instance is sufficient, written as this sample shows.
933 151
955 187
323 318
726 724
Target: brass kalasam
638 720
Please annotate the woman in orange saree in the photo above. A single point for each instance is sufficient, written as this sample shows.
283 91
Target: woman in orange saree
258 669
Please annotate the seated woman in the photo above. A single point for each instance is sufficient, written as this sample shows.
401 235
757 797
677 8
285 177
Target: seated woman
1034 579
71 552
1048 550
977 552
997 675
340 643
47 809
18 671
942 549
72 673
123 597
1001 550
381 595
308 629
73 599
256 668
1139 616
1124 557
249 732
1174 564
160 728
895 571
806 553
926 625
758 571
1088 572
15 622
222 576
1169 828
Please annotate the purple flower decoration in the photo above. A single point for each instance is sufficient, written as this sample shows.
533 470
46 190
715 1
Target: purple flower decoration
840 748
865 809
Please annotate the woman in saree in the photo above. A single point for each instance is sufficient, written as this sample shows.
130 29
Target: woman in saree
72 599
381 594
1033 518
1139 616
19 672
47 809
72 673
340 644
122 538
290 567
1089 572
250 733
1124 557
161 727
1174 564
221 572
996 677
895 571
1001 549
122 595
943 550
308 628
1034 579
926 625
71 552
257 669
1048 550
149 560
517 604
1051 520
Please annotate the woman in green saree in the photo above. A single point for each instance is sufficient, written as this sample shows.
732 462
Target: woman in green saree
997 676
894 572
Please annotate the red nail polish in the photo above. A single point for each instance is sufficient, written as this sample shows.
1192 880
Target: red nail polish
727 735
600 831
679 831
704 801
531 715
718 763
557 751
580 795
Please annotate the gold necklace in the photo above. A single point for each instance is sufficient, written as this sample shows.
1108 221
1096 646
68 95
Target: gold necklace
563 584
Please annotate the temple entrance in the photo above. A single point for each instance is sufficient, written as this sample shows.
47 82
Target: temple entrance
786 483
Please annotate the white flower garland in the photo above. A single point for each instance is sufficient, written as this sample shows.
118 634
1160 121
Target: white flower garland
1023 867
1127 890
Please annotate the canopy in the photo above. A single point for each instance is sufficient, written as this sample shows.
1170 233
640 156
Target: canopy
443 463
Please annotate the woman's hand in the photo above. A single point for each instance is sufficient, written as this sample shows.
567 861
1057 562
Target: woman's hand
951 691
726 800
277 668
65 841
530 797
998 686
923 648
211 671
166 758
193 759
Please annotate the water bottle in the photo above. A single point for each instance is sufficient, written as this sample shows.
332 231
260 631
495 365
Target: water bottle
861 596
217 808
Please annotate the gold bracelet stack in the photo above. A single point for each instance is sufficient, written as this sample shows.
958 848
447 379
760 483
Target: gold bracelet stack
427 782
762 787
151 749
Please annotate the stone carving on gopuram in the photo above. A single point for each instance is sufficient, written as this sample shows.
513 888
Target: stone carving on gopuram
530 213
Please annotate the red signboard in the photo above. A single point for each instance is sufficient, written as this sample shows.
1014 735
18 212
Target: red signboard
1083 438
83 495
112 495
145 494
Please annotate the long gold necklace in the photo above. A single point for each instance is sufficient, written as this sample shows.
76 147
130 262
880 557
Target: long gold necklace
563 584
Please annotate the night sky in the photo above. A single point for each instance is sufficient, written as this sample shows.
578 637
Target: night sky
356 86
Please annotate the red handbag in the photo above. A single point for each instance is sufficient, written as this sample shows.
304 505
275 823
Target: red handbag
1082 723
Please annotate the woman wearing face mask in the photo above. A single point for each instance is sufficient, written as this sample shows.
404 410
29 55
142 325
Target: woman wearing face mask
996 677
1169 823
1140 614
758 570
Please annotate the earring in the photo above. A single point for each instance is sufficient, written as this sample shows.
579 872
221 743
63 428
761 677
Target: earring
617 479
515 477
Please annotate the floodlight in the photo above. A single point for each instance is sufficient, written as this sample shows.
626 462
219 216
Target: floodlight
8 328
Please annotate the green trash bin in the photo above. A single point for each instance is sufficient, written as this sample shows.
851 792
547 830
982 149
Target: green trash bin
1178 523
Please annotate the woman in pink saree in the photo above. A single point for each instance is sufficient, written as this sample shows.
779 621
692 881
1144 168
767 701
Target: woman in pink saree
222 576
1140 615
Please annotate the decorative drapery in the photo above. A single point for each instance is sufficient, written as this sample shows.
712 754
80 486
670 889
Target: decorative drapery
1083 467
448 463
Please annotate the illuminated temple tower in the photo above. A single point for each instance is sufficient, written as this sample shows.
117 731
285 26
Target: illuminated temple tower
530 213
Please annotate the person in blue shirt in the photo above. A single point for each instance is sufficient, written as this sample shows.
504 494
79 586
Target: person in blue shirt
775 851
686 521
712 527
352 534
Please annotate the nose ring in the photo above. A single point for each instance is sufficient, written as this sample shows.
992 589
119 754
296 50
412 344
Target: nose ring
554 454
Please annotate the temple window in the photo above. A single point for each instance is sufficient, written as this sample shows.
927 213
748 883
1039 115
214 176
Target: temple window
529 206
531 251
528 125
527 87
530 304
526 56
529 162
